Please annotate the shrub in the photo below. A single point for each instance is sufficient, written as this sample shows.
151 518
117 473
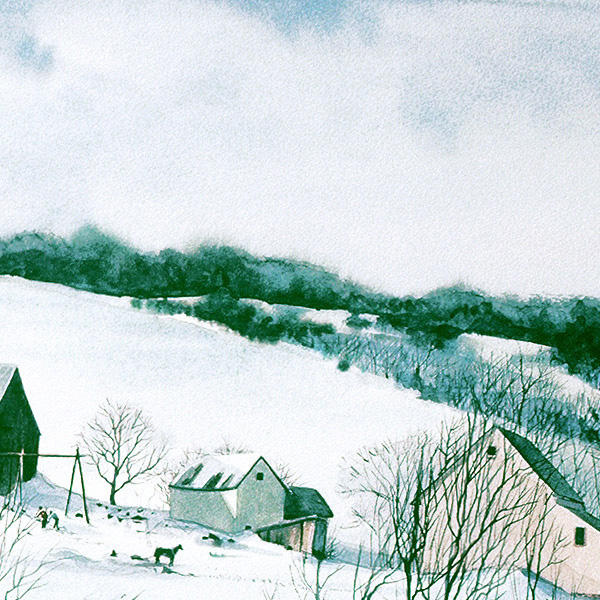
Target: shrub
343 365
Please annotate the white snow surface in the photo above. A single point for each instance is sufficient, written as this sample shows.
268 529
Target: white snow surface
113 558
200 386
493 348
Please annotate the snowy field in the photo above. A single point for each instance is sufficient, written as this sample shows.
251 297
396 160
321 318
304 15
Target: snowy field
200 384
112 559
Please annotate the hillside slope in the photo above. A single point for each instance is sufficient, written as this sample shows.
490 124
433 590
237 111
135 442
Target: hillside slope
201 385
95 261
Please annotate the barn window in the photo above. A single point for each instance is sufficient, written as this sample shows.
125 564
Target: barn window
580 536
492 451
260 476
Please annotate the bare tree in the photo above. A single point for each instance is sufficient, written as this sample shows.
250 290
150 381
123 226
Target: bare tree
230 447
453 516
20 571
309 578
482 527
288 474
544 544
390 485
169 468
123 445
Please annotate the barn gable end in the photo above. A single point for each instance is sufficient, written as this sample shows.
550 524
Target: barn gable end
229 493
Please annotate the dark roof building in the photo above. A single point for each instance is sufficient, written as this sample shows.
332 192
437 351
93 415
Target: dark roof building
564 493
19 431
542 467
303 502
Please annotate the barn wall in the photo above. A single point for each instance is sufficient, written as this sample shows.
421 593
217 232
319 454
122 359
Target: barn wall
205 508
302 536
577 571
256 503
308 531
9 465
260 502
288 536
320 537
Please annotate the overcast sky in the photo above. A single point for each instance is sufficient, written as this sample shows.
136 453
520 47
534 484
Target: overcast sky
406 144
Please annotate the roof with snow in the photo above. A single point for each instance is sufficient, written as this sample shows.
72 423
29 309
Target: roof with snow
305 502
218 472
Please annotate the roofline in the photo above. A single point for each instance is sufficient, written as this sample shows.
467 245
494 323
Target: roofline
316 491
193 489
235 487
14 369
287 522
581 513
575 496
285 486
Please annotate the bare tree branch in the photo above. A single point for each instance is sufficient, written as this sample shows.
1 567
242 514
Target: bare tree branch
123 445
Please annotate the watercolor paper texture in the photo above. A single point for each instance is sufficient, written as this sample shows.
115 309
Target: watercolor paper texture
279 276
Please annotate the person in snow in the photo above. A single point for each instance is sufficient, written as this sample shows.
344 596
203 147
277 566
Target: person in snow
42 515
52 516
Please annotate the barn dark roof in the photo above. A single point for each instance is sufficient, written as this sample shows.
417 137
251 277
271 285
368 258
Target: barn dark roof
9 372
566 496
544 469
305 502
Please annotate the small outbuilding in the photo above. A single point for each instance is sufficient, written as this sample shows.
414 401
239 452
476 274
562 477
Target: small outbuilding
235 492
230 493
304 527
19 432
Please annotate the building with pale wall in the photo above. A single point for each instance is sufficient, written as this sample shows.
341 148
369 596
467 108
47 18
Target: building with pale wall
235 492
570 556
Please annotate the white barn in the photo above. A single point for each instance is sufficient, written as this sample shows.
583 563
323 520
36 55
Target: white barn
229 492
573 564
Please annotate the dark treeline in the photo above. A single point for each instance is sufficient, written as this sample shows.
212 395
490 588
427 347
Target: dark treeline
94 261
248 320
569 325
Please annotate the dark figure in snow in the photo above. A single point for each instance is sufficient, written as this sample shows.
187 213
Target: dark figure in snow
42 515
53 517
168 552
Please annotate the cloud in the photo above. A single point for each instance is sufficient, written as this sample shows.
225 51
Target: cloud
406 144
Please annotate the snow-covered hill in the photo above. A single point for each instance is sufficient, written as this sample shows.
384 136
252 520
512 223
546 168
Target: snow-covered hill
112 559
200 385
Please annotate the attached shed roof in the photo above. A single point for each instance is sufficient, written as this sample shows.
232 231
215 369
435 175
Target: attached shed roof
305 502
218 472
545 470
